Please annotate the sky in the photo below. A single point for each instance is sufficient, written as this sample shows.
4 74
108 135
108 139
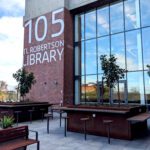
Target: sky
11 39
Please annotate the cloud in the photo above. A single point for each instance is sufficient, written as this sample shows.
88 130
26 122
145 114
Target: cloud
12 7
11 47
103 22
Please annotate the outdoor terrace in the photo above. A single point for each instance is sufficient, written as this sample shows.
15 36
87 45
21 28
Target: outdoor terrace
75 141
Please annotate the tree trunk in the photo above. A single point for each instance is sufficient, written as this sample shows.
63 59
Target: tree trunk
102 90
118 94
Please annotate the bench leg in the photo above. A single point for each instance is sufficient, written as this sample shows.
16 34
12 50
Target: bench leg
38 145
48 125
42 115
17 118
60 118
52 113
30 117
108 133
65 127
85 130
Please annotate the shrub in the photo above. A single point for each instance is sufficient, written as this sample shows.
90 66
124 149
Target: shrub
6 121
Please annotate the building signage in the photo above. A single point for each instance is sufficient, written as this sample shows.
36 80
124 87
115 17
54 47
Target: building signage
43 39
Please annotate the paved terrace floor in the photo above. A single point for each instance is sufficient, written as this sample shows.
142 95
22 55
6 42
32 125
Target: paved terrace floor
75 141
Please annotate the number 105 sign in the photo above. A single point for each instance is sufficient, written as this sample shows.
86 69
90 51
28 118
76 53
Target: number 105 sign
43 40
41 33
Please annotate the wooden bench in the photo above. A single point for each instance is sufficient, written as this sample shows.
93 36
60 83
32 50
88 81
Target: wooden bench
140 118
18 137
138 125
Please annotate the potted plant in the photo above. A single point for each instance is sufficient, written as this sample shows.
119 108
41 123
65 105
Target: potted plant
6 122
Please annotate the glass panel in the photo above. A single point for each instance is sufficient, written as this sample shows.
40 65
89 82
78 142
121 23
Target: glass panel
79 27
91 88
103 21
133 50
77 91
146 46
135 87
82 59
147 87
103 91
120 90
90 24
118 49
83 89
77 59
91 63
103 49
132 14
116 18
145 12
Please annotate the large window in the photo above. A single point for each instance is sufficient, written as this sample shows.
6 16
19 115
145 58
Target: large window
116 18
121 29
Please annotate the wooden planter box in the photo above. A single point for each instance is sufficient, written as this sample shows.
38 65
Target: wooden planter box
120 128
24 107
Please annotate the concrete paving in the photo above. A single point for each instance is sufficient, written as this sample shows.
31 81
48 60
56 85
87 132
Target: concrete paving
55 140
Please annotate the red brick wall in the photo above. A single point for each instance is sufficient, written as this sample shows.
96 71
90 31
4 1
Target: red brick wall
54 80
68 61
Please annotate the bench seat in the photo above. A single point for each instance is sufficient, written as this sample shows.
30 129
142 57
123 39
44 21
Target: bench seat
16 138
140 118
17 144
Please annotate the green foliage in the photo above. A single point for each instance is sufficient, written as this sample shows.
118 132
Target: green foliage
7 121
25 81
112 72
148 72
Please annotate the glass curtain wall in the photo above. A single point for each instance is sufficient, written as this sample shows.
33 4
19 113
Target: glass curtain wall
121 29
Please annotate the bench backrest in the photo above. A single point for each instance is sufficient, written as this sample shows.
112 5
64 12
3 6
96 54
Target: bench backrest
13 133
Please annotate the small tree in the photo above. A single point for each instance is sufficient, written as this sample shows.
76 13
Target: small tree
25 81
148 72
112 72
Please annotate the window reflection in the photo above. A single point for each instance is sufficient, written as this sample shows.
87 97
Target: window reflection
119 92
83 89
91 88
118 49
79 27
82 59
132 14
77 91
135 87
103 21
103 90
90 24
147 87
145 12
146 46
133 50
77 59
103 49
91 63
116 18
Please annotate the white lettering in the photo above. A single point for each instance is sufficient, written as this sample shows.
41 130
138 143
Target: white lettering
58 21
60 53
32 59
52 55
45 28
29 23
38 58
45 57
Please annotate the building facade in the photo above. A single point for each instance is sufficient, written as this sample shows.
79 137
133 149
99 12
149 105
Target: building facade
63 42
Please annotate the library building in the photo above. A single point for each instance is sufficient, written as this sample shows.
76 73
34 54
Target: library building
63 42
